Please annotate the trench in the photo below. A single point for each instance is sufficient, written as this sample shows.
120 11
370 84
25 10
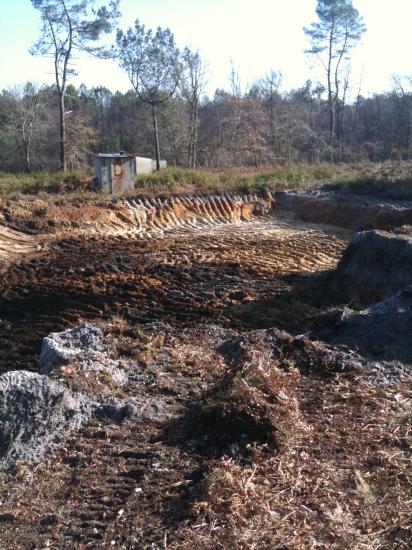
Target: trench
356 212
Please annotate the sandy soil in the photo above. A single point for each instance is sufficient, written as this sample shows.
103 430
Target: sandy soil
14 244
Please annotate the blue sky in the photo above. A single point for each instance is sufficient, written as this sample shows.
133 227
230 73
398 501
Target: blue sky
256 35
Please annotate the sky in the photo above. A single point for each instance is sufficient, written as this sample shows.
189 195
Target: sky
256 36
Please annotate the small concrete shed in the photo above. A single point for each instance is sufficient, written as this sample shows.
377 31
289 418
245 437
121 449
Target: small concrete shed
115 172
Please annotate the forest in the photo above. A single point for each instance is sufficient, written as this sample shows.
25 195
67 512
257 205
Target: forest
265 124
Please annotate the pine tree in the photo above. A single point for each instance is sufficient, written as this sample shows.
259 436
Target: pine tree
69 26
152 63
338 29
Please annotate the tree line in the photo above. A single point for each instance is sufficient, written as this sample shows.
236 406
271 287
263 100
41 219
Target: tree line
167 114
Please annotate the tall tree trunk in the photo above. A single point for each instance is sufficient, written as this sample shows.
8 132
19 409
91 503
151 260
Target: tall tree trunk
156 136
194 145
354 142
332 131
191 133
26 138
273 132
27 160
63 164
408 126
331 99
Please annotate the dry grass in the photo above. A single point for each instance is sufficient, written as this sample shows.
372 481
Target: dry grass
98 383
44 182
389 179
336 474
340 480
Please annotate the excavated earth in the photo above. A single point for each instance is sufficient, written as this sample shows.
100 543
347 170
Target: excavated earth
197 303
357 212
225 260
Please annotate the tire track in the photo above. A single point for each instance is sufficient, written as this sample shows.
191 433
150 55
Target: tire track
229 275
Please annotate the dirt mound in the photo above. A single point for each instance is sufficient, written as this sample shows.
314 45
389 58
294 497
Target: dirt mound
354 212
136 216
380 331
311 355
375 265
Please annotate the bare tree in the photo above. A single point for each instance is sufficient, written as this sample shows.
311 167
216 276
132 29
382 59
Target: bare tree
152 63
235 81
69 26
192 86
269 87
23 118
81 136
341 112
403 108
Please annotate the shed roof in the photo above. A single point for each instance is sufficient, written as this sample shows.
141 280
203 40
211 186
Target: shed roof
121 155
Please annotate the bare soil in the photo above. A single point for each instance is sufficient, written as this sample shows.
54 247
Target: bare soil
14 244
251 446
238 274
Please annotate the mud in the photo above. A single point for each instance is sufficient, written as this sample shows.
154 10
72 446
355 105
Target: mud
233 260
232 274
